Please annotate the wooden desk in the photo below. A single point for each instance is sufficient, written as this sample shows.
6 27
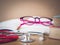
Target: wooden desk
36 42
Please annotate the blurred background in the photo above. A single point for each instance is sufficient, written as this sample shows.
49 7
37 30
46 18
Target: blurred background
11 9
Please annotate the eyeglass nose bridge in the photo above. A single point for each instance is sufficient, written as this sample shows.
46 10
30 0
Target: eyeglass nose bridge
37 19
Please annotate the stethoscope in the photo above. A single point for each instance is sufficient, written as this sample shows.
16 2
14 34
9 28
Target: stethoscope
36 20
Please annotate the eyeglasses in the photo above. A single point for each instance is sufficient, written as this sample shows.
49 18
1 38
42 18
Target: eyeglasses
41 20
29 20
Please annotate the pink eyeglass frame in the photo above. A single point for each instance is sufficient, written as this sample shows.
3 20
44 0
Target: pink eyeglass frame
29 22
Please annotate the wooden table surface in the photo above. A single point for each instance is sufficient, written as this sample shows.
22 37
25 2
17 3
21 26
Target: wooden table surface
47 41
